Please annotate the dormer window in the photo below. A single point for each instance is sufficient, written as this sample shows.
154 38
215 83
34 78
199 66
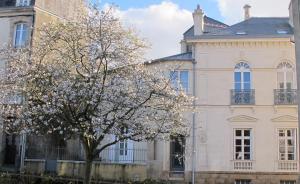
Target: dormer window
282 32
240 33
22 2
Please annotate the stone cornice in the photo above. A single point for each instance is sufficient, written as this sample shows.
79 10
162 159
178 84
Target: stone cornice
257 42
16 11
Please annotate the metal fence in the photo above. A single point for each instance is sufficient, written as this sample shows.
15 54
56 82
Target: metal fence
108 155
242 97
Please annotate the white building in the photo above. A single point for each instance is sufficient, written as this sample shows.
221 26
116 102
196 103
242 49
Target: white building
246 122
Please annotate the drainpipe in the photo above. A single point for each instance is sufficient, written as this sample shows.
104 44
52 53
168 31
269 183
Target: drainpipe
22 155
194 123
296 22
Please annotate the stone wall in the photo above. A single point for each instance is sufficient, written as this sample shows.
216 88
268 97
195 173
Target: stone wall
230 177
100 171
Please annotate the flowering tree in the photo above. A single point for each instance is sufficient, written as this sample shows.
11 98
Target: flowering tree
85 78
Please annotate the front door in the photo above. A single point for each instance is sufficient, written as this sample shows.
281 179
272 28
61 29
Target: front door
177 154
10 149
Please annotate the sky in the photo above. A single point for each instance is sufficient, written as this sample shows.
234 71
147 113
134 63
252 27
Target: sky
162 22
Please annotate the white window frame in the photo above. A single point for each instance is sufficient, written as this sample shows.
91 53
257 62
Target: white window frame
242 67
242 181
287 181
285 67
242 137
285 138
22 2
178 86
18 43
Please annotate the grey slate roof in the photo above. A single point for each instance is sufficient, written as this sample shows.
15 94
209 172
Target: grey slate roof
178 57
255 27
210 25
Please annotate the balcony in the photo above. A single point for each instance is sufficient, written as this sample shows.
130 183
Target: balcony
285 96
242 97
287 166
243 165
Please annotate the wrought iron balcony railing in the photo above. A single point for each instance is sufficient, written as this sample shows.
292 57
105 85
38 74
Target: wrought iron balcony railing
285 96
242 97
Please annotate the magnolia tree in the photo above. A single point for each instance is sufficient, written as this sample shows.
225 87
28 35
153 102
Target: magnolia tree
85 78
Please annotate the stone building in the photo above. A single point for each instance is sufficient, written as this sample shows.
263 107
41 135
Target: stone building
18 22
244 78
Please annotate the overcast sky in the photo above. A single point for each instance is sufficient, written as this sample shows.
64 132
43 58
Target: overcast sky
162 22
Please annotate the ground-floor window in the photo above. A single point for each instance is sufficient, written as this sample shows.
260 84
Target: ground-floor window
242 181
287 144
287 182
242 144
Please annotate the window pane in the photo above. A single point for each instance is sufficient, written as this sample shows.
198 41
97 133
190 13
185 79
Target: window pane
247 133
247 142
238 142
247 77
237 85
238 132
247 85
174 79
237 77
247 149
247 156
184 80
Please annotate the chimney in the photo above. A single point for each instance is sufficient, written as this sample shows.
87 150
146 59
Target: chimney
247 11
198 16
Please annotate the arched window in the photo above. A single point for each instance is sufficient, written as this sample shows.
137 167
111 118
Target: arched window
242 76
21 35
285 76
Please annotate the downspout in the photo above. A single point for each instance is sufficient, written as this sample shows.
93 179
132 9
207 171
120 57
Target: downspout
194 122
24 135
296 22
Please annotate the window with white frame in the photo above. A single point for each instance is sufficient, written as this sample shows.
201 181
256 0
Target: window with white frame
287 144
242 76
21 35
242 144
22 2
123 147
287 182
180 80
242 181
285 76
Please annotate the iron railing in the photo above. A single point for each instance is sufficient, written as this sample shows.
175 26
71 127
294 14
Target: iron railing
242 97
108 155
285 96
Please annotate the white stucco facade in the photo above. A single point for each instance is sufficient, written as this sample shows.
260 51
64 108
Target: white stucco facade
218 116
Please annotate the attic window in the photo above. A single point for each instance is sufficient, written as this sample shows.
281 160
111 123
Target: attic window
240 33
282 31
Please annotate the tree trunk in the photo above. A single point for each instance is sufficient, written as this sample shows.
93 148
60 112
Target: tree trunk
88 170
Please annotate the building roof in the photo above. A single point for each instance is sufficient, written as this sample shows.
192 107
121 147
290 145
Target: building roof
255 27
178 57
210 25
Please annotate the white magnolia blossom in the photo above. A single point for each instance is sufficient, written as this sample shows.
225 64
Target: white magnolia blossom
86 78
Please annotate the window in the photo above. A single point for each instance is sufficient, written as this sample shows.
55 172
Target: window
282 31
123 147
189 48
242 77
21 35
287 182
22 2
242 144
180 80
287 144
285 76
242 182
240 33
